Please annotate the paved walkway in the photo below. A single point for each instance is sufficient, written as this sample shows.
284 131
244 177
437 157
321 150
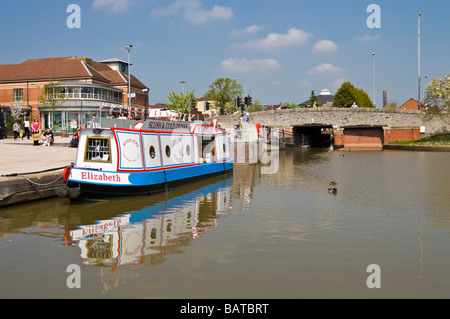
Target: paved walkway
21 156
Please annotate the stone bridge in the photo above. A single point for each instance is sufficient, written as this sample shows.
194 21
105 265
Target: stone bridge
363 126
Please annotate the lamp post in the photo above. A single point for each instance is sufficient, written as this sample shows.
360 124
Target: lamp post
145 107
418 59
182 92
128 47
373 62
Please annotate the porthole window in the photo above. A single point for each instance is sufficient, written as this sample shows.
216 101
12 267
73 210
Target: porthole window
152 152
188 150
167 150
224 148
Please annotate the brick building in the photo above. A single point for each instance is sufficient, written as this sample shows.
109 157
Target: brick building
412 105
84 87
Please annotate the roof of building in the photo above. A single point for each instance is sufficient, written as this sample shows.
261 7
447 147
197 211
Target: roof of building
63 69
324 97
411 104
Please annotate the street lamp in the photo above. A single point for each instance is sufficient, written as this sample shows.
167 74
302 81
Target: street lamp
128 47
145 107
418 59
373 58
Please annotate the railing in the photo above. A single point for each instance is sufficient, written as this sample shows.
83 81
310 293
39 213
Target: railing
87 96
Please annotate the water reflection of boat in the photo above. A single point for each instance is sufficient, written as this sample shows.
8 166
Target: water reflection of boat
143 236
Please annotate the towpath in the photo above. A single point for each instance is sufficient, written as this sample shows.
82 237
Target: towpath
21 156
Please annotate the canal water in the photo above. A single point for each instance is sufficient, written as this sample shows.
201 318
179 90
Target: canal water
383 234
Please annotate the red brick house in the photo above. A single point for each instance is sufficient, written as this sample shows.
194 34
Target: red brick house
411 104
87 87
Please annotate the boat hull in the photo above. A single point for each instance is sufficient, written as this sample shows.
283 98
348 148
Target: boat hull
87 183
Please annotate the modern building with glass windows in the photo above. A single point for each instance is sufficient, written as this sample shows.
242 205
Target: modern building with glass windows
66 92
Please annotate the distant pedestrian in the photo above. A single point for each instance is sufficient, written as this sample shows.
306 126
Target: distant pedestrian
16 129
26 127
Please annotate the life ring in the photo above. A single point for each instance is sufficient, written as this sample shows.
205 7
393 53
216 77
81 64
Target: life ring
66 173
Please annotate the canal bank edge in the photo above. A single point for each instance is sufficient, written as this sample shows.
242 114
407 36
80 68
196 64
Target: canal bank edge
20 189
423 148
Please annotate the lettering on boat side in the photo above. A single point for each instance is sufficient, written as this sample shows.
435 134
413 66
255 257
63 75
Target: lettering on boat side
166 126
374 279
74 279
105 177
242 308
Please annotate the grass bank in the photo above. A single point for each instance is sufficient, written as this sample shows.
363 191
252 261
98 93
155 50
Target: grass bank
438 140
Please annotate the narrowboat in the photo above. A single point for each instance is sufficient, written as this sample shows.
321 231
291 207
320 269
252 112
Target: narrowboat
152 156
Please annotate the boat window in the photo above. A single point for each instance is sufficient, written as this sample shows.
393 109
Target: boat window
98 149
188 150
167 150
224 148
152 152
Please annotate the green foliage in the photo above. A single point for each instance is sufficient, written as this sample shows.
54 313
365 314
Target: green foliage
180 103
289 105
223 91
348 93
313 98
52 96
256 106
443 139
437 93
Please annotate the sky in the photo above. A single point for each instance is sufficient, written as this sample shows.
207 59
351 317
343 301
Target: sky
278 50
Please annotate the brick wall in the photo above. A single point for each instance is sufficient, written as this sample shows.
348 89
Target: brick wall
401 134
363 137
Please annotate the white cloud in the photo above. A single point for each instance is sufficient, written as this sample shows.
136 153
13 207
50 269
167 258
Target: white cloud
246 31
325 46
369 38
337 83
294 37
324 68
113 5
237 65
192 11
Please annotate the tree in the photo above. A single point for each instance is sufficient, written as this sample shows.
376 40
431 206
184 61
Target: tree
256 106
52 96
437 93
224 90
312 99
348 94
180 103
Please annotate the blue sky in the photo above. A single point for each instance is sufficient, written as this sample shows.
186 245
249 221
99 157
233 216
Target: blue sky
278 50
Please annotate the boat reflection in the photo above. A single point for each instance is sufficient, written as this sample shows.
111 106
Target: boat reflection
144 236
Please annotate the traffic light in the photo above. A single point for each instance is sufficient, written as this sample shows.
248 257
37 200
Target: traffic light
246 100
193 103
207 105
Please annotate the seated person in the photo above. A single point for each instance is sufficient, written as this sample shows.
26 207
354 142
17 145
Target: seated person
47 137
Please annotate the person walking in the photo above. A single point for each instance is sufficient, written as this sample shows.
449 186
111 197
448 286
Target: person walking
26 128
16 129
